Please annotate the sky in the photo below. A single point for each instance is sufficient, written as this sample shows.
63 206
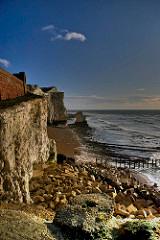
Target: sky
104 54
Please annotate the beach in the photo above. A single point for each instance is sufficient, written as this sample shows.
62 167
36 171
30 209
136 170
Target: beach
67 142
57 188
134 194
72 142
76 142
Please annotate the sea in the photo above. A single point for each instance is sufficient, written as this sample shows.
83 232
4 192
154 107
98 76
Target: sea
133 133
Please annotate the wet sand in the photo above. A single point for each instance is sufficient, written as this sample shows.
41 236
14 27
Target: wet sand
72 144
67 141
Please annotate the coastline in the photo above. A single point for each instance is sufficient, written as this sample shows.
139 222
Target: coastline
92 151
134 195
57 188
76 142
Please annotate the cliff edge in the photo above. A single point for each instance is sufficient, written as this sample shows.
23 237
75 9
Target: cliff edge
57 113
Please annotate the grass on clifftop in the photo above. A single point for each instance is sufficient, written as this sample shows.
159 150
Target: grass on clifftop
11 102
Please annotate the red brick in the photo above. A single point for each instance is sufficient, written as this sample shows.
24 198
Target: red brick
10 86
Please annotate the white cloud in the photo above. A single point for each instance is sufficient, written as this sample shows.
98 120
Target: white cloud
63 34
48 27
4 62
74 36
57 37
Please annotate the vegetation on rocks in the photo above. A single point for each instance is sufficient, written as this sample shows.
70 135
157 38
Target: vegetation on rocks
84 218
134 230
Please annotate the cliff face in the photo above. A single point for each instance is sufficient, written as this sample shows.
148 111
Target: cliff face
56 110
23 141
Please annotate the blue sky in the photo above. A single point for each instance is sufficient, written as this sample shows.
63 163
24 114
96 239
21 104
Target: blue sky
104 54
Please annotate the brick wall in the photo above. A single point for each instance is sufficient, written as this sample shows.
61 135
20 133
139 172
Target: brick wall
10 86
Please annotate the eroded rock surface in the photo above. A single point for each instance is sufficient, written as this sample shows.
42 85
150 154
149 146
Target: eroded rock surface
23 141
56 110
80 118
18 225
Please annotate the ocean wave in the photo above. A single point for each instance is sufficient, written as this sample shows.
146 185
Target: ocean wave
129 128
135 134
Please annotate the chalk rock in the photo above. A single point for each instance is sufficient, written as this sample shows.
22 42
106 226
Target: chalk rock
122 212
96 190
123 199
52 205
34 186
56 110
48 197
131 209
93 178
38 199
63 200
104 188
141 203
73 194
40 192
23 141
48 188
80 119
142 212
18 225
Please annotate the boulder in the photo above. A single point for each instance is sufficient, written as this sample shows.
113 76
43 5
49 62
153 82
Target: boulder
48 197
131 208
82 218
38 199
52 204
48 188
96 190
122 212
18 225
123 199
141 203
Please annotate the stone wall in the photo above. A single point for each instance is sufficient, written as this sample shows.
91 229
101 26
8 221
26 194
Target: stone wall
23 141
10 86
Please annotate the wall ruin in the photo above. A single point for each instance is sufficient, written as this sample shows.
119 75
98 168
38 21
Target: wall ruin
10 86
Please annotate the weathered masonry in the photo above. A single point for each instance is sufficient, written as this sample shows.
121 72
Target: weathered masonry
12 86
